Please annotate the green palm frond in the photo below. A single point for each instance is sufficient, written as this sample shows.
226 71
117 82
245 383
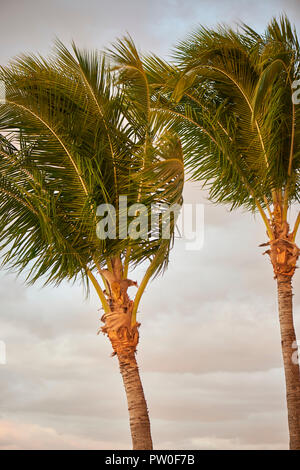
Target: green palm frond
229 98
84 135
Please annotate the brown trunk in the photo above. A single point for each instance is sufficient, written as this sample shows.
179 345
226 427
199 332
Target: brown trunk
124 342
124 338
284 254
289 349
137 406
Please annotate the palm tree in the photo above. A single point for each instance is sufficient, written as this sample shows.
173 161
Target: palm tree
78 135
230 98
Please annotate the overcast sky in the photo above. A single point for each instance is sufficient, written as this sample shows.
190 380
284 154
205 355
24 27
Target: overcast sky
209 352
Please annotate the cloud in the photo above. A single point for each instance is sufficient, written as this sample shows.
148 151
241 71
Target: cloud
25 436
155 25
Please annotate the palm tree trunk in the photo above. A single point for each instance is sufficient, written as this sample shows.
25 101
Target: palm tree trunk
291 367
124 338
137 406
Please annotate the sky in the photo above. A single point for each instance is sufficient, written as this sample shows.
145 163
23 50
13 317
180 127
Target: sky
209 351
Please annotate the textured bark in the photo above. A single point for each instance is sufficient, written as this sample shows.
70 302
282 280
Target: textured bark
137 406
124 338
291 369
284 254
124 342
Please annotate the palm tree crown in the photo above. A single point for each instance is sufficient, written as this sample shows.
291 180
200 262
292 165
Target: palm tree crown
230 99
85 137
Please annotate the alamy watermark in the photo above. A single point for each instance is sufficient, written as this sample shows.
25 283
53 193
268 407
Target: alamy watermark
296 93
2 353
137 221
2 92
